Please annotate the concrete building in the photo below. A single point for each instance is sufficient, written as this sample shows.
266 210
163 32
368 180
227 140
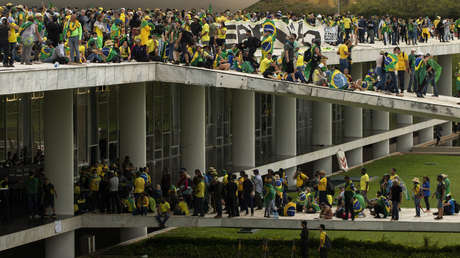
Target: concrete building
168 117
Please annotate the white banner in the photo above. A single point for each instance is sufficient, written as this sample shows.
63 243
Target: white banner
236 31
343 164
330 34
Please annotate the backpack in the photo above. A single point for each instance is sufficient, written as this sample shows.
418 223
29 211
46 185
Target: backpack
329 188
457 207
327 243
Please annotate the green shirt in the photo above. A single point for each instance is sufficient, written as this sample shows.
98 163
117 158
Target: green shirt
447 183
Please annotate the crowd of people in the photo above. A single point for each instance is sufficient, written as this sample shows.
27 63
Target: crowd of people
199 38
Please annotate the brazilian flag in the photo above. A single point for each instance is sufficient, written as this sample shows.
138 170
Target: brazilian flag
390 61
338 80
269 26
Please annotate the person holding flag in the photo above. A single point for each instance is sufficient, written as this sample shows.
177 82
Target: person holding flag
433 73
420 74
390 61
268 40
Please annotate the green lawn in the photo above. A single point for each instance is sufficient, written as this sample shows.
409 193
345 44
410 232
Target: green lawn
409 166
401 238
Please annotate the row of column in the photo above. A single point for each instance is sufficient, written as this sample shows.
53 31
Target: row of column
58 122
59 156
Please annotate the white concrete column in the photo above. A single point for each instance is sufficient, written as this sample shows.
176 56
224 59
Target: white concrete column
322 132
445 86
61 246
445 81
243 129
127 234
58 123
59 151
405 142
426 135
133 123
286 130
381 122
353 128
193 131
133 141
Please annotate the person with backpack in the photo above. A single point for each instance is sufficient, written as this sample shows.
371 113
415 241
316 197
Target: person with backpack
417 196
324 242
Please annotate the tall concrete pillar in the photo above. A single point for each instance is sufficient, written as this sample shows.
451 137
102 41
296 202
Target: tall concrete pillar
381 122
286 130
243 129
405 142
445 87
61 246
353 128
322 132
426 135
133 141
193 131
133 123
58 123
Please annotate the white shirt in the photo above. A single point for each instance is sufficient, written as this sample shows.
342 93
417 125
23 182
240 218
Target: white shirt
258 184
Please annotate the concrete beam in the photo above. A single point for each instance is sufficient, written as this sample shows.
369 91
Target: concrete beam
331 151
45 79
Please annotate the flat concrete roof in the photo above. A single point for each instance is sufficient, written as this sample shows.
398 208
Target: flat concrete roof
407 223
44 77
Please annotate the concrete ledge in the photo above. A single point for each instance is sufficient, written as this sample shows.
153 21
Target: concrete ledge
38 233
366 224
45 78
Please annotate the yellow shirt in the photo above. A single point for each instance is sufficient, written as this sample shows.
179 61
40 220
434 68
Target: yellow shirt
393 177
200 190
299 62
264 64
145 32
151 45
347 23
12 36
322 184
139 184
164 207
322 239
240 184
402 59
416 189
94 184
183 207
222 33
343 51
300 179
362 183
205 33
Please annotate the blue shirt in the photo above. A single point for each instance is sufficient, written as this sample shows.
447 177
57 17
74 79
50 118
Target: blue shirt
452 206
426 193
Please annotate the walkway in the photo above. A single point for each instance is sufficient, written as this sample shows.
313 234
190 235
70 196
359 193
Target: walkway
407 223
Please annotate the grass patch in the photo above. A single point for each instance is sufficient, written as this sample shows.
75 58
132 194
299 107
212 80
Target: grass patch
409 166
219 242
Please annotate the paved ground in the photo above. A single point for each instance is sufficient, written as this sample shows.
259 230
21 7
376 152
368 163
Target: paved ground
406 214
